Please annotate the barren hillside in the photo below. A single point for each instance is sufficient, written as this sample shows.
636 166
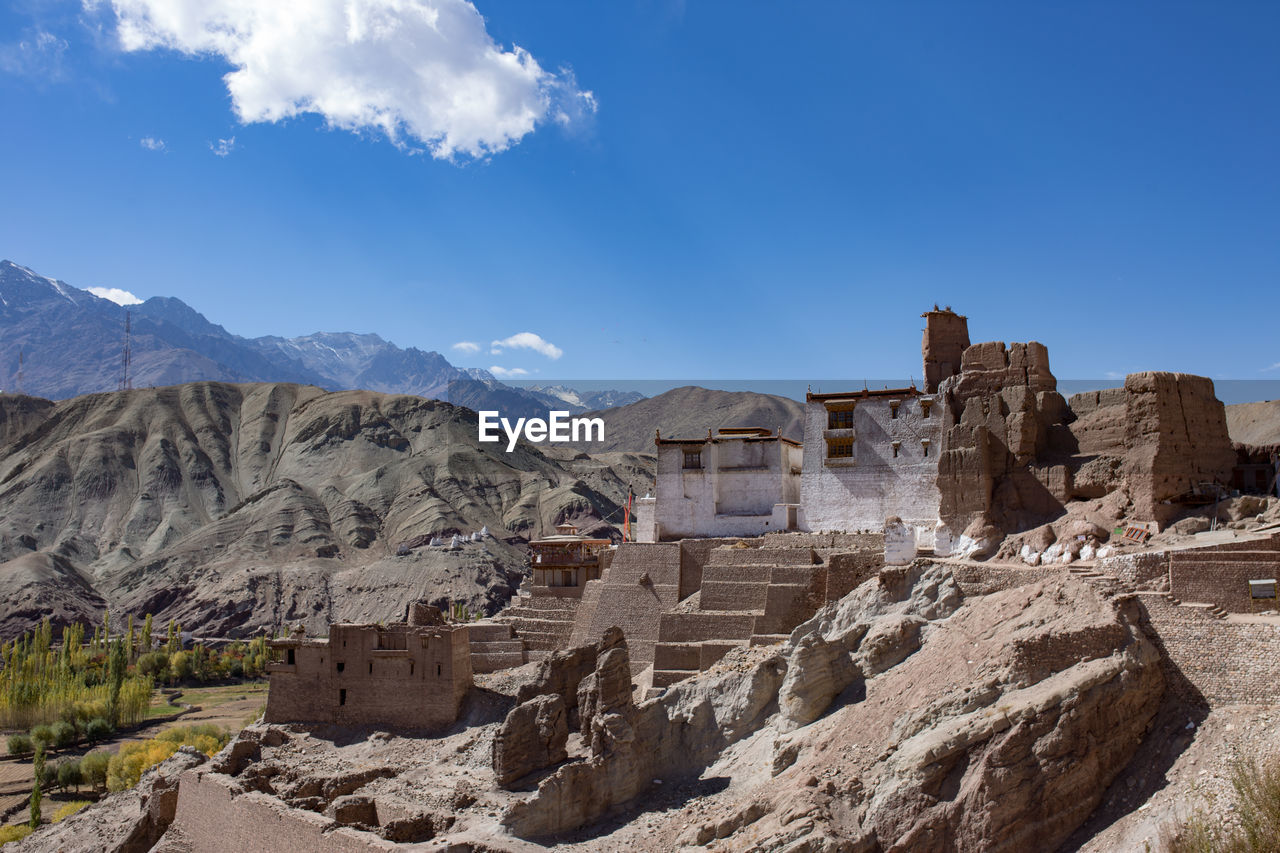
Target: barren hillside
1257 424
232 507
689 412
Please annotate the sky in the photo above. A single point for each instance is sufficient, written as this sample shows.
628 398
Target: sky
664 189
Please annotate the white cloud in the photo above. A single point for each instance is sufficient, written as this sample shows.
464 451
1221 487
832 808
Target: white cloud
527 340
38 55
1275 366
466 346
508 373
421 70
223 147
116 295
151 143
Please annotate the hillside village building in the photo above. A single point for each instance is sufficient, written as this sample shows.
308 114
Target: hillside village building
741 481
409 675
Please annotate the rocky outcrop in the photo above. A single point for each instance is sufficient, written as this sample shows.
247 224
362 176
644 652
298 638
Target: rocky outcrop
999 733
532 737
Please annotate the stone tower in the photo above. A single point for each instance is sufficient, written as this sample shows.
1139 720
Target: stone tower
946 335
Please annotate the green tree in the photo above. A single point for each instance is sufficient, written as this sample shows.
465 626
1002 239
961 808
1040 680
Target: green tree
172 645
69 774
180 666
132 646
146 635
36 795
117 663
93 769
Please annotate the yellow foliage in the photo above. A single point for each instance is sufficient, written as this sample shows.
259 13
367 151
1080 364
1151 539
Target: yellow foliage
134 759
14 833
69 809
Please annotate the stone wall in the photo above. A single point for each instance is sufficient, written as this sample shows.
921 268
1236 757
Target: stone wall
214 815
860 492
1212 660
642 582
1220 575
1004 427
946 337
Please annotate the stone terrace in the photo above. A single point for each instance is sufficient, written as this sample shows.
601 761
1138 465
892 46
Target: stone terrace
757 595
1219 575
541 619
495 646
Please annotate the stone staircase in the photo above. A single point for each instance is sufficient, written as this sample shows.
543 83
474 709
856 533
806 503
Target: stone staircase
543 621
1111 586
494 646
749 596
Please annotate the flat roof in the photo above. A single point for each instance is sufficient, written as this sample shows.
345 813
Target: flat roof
865 393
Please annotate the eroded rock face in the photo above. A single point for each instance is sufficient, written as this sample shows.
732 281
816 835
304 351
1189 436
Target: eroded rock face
1000 733
532 737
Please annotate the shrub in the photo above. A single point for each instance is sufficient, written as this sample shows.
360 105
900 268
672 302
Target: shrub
64 734
93 769
49 777
69 809
42 734
134 759
20 744
69 775
97 729
14 833
1257 802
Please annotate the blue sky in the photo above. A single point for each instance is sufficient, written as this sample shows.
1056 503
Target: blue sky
736 190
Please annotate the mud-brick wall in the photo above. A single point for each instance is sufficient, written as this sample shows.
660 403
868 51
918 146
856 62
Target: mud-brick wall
213 819
642 582
1211 659
1222 577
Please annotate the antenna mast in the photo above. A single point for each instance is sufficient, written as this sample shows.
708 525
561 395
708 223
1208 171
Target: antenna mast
126 358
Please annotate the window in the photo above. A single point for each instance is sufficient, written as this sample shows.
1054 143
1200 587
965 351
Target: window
692 459
341 666
924 443
840 419
897 445
411 667
371 667
342 696
439 669
924 406
290 659
840 448
893 409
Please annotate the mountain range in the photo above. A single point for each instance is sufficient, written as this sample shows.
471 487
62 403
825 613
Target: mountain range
59 341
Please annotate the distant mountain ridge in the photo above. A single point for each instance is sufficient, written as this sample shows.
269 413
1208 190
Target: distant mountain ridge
71 342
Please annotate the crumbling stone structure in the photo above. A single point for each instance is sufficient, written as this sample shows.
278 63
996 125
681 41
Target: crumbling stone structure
1005 446
946 337
409 675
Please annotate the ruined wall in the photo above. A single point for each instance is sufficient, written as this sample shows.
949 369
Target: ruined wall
946 337
859 493
214 815
349 680
1005 423
642 582
1175 438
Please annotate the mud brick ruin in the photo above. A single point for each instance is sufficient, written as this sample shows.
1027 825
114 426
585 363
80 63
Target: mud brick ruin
409 675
